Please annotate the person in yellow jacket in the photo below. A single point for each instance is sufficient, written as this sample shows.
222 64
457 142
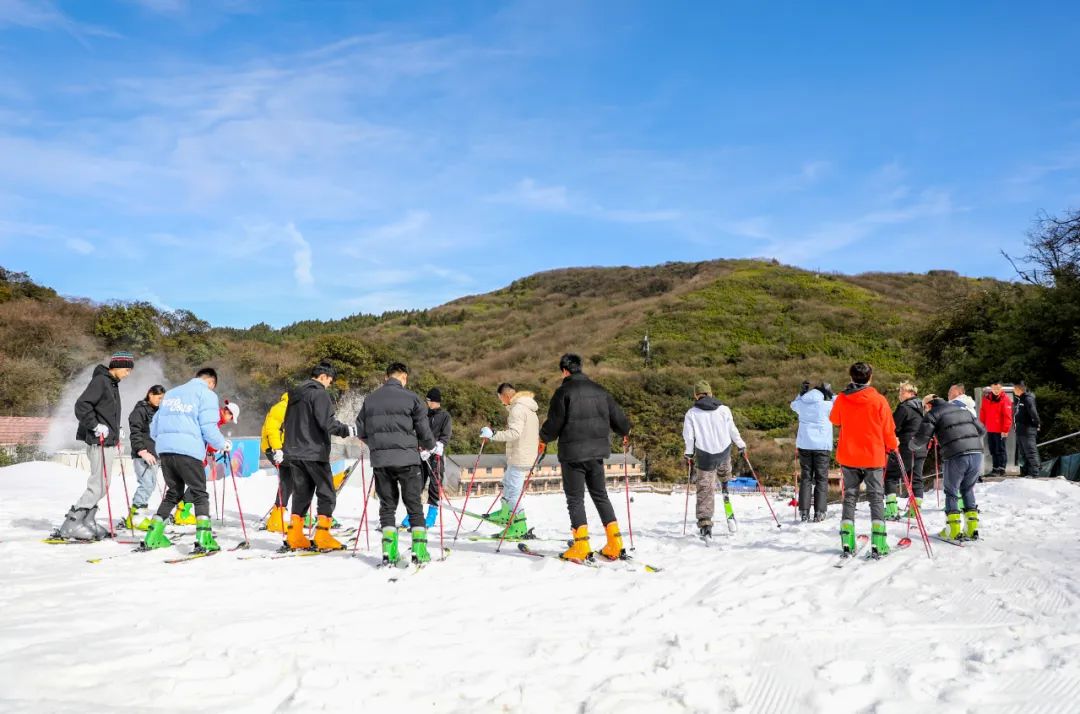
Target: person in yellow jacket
273 439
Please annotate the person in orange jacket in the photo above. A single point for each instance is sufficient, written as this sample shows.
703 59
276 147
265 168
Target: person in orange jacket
867 437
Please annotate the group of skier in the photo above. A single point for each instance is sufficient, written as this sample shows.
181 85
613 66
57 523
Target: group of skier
177 432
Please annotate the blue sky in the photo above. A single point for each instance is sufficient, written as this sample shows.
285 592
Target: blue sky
276 161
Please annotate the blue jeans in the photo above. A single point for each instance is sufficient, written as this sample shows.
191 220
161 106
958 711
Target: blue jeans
147 476
513 480
961 474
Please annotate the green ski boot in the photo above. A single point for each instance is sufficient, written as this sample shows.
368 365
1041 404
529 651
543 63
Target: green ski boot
892 510
732 526
879 539
204 536
500 516
953 527
138 519
971 524
911 508
847 537
184 515
155 537
518 530
419 546
389 545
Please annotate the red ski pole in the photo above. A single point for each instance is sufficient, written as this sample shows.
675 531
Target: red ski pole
364 516
524 488
915 506
438 481
468 491
626 480
123 478
213 475
761 488
105 485
689 475
495 500
795 497
239 508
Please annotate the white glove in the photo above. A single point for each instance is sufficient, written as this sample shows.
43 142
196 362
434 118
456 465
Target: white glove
123 434
279 457
352 429
228 445
439 446
148 457
101 431
425 455
486 433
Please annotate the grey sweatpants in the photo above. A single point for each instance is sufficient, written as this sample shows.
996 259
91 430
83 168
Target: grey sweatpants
875 491
95 483
705 505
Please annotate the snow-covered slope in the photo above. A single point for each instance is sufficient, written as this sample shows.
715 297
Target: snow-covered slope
761 622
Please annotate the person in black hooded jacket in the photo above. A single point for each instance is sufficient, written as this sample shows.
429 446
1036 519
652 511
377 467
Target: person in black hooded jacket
144 457
1027 423
582 416
959 435
441 429
908 417
98 412
309 424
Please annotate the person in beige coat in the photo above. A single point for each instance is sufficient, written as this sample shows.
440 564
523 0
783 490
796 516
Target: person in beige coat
522 439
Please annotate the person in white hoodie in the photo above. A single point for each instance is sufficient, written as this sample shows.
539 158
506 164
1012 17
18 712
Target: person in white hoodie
522 439
814 443
709 431
958 396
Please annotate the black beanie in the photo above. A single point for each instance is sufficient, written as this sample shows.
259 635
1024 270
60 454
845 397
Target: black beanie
434 395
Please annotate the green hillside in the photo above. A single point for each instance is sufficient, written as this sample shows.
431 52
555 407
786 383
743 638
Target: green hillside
755 329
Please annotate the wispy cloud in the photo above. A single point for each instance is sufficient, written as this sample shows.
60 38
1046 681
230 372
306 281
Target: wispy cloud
80 246
528 193
45 15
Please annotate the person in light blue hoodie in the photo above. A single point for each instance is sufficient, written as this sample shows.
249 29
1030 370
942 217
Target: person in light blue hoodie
184 425
815 443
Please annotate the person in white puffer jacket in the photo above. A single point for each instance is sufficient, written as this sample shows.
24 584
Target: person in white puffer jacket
522 439
709 431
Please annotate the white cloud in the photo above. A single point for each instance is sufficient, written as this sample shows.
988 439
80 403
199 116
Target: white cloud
80 246
528 193
45 15
301 257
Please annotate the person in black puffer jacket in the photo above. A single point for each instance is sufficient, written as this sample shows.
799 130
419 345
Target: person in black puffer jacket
582 416
908 417
393 422
959 435
144 456
309 424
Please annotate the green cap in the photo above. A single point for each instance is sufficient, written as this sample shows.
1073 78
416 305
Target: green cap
703 387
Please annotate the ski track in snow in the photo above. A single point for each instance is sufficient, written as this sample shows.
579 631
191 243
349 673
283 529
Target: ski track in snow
758 622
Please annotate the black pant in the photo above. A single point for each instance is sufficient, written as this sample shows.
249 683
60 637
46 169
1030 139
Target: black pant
406 482
182 472
309 478
814 480
999 455
914 465
285 484
576 477
1025 448
432 482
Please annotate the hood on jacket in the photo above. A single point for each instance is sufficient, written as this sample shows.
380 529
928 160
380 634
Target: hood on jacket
527 400
811 396
306 386
103 370
859 392
708 403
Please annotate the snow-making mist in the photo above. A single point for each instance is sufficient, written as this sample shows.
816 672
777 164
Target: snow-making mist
147 373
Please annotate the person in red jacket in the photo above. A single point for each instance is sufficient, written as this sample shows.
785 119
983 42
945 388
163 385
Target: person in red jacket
867 437
996 414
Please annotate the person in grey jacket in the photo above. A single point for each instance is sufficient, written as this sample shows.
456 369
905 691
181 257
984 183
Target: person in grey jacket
814 443
393 422
959 434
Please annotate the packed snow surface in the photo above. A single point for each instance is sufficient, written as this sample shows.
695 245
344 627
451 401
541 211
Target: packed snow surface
759 622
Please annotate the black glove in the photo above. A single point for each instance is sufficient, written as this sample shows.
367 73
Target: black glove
804 388
826 391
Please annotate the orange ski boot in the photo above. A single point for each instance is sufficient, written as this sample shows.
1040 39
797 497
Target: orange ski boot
613 550
580 550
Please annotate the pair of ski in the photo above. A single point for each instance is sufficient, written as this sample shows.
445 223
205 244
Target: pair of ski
594 560
860 545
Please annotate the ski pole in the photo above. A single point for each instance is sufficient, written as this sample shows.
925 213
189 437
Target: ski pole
468 491
363 518
937 475
626 480
438 480
539 457
236 492
915 507
795 497
686 508
105 485
213 474
761 488
123 478
495 500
